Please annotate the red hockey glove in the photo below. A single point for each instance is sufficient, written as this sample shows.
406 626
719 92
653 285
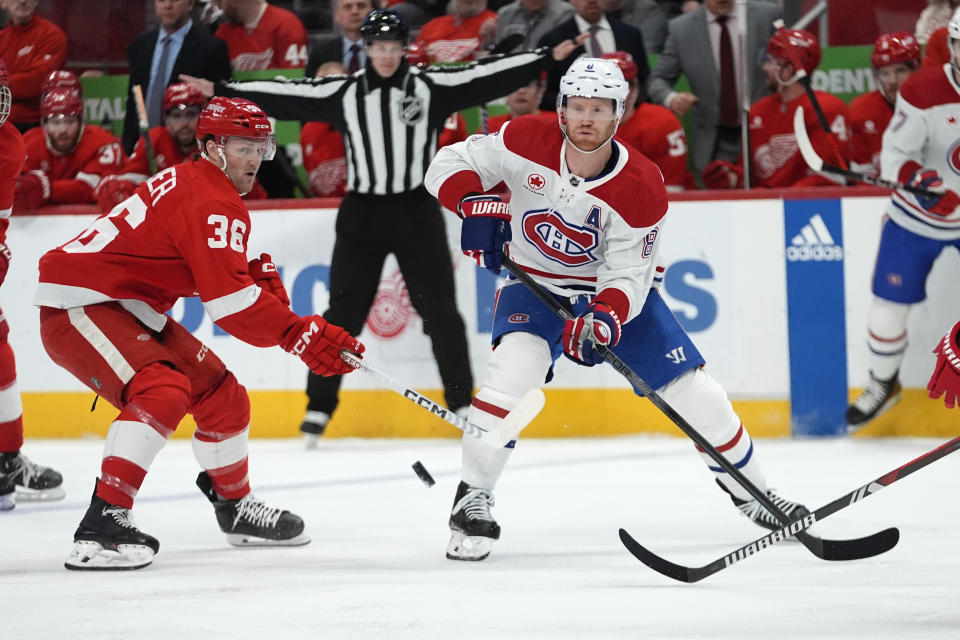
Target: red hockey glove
599 324
485 229
319 343
4 261
722 174
946 375
31 191
939 205
112 191
264 273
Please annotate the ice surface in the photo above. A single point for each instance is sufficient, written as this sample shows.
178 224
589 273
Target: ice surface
376 566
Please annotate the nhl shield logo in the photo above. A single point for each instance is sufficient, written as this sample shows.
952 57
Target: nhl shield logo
411 110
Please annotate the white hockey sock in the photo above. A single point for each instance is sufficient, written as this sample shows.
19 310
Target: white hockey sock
703 403
483 464
886 337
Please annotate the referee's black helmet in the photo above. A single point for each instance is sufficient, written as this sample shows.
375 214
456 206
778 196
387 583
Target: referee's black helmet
384 24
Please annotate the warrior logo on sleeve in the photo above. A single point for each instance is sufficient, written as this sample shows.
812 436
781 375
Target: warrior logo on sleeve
558 240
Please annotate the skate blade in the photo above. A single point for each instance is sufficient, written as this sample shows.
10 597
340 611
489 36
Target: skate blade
892 400
88 555
311 441
7 502
468 548
40 495
243 540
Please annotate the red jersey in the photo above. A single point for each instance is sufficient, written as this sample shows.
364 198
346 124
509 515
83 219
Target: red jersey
775 157
324 158
31 52
454 130
11 162
870 114
277 40
450 39
656 133
495 123
183 233
74 176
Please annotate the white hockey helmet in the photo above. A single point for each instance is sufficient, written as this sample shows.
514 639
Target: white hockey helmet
594 78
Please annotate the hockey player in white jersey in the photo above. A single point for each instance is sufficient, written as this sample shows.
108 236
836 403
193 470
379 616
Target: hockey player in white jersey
585 220
921 147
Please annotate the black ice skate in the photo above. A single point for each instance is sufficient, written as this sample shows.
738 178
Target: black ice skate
760 515
312 427
7 497
248 522
875 400
108 540
31 481
472 527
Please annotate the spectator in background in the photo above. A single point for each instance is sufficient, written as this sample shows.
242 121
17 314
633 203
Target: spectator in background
459 36
645 15
522 102
324 157
937 51
532 19
653 130
31 47
347 47
66 165
606 36
262 36
936 15
695 48
159 55
775 159
895 56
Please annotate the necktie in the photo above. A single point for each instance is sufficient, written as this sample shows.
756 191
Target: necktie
354 64
595 50
158 84
728 82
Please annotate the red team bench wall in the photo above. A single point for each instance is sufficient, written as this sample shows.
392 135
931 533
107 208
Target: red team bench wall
774 288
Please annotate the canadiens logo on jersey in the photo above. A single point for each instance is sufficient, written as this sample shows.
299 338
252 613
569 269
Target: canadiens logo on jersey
570 245
411 110
953 157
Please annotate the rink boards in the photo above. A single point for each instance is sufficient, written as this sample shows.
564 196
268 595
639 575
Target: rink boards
774 292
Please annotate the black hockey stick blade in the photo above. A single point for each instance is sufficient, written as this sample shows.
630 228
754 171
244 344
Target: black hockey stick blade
823 549
816 163
876 544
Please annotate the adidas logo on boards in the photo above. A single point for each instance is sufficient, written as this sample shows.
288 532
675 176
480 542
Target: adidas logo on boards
814 243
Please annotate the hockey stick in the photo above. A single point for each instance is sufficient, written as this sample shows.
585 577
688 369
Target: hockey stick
695 574
508 44
816 163
825 549
526 410
145 129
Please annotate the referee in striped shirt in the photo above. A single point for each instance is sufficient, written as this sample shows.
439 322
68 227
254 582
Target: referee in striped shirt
389 115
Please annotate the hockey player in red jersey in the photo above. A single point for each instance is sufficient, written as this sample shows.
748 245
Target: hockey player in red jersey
262 36
585 221
895 56
67 163
919 148
775 159
103 296
19 476
324 156
653 130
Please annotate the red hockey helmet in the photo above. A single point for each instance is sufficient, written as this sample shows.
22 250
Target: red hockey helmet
181 94
626 63
6 98
61 79
61 102
891 48
799 48
237 117
416 56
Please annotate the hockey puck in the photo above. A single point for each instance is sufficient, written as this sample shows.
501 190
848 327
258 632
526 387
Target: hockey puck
423 474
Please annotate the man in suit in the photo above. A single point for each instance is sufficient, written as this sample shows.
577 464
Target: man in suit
694 48
347 48
158 56
606 36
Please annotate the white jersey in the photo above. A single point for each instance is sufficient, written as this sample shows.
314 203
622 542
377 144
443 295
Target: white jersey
574 236
924 133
